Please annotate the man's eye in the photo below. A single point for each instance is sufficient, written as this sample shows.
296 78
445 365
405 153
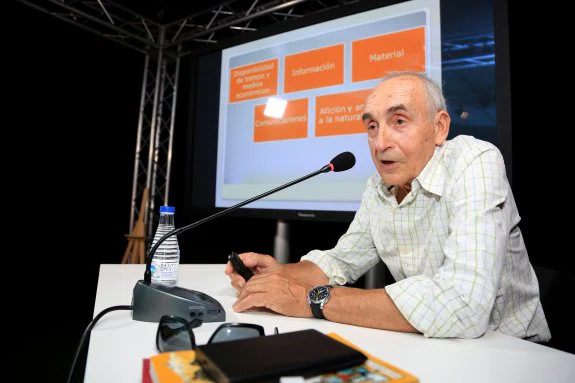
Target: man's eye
400 121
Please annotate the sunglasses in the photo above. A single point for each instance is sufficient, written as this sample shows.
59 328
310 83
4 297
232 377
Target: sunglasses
175 333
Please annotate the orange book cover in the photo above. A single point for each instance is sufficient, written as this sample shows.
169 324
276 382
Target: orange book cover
177 367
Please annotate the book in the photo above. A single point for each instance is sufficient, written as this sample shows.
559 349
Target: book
146 378
371 371
176 367
182 367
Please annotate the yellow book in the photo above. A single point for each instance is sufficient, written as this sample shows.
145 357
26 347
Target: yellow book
177 367
371 371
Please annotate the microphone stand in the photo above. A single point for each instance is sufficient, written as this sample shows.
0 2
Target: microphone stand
151 300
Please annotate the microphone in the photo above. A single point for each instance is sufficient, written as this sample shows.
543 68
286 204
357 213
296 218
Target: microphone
151 301
341 162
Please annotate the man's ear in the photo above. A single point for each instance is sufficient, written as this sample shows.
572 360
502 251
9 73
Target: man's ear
441 123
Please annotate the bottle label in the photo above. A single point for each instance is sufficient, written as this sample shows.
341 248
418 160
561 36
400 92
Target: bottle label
164 272
166 259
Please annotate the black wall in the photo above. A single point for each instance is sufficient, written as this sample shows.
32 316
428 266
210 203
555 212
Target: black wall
70 135
69 129
542 111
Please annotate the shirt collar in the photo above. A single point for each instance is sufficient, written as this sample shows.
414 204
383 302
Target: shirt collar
432 177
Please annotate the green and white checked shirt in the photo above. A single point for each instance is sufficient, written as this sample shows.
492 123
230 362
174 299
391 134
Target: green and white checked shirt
453 245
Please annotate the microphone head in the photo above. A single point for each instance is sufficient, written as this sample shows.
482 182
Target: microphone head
343 161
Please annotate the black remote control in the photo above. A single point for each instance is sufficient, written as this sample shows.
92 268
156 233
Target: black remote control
239 266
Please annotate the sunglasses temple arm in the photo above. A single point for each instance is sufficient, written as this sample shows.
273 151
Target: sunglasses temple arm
193 340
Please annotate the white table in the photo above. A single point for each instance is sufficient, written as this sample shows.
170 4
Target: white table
118 344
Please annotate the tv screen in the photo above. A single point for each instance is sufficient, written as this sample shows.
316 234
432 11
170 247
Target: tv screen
322 68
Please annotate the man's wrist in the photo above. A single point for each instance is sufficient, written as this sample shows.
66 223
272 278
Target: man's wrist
317 297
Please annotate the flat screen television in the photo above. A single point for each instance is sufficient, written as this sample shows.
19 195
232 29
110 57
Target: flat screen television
324 65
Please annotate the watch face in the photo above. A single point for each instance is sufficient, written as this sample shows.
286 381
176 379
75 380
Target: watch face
318 294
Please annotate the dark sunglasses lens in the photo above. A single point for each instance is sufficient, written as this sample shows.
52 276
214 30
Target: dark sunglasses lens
173 336
233 333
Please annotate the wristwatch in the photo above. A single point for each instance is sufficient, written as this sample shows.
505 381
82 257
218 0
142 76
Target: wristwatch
317 297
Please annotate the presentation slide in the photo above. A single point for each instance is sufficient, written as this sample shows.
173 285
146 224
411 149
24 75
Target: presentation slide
324 72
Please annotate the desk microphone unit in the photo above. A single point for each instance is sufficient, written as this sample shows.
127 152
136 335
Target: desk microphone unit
151 301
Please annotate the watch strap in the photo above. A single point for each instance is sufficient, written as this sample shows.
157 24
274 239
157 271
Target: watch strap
316 310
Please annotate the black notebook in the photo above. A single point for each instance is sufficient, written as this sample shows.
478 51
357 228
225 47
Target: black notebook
303 353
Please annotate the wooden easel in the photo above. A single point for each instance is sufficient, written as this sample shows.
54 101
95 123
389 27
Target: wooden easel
135 252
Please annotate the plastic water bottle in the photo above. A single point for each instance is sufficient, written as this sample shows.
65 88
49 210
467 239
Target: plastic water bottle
166 262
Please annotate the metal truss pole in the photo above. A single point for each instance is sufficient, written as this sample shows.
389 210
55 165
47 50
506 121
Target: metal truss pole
154 160
142 142
152 167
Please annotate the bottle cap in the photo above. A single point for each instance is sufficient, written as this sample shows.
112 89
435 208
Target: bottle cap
167 209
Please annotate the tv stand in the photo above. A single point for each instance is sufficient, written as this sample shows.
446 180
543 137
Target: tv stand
281 242
374 278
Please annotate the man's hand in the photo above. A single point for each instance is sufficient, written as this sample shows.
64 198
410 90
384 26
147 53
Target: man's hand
258 263
274 291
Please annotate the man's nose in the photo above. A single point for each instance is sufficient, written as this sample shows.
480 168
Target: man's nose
383 138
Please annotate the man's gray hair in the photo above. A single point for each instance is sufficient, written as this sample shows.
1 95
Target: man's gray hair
435 97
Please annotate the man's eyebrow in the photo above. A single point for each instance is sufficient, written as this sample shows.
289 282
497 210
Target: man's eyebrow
395 108
390 111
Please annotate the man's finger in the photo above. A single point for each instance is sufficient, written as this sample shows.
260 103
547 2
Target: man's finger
250 301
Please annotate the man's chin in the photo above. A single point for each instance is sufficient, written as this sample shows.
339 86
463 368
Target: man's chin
390 179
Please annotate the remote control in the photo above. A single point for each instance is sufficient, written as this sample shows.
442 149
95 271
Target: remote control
239 266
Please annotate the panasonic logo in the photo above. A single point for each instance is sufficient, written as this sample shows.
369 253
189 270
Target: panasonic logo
306 215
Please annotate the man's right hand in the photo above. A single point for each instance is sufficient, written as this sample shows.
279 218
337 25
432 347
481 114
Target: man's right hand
258 263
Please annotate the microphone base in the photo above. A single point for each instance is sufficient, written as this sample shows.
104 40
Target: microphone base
151 301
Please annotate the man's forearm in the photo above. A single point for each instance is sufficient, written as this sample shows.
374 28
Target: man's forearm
306 272
367 308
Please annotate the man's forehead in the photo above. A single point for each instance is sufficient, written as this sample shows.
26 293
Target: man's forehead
391 91
396 85
370 101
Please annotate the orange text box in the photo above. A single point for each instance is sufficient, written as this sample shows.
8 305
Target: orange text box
338 114
314 69
291 126
254 81
374 57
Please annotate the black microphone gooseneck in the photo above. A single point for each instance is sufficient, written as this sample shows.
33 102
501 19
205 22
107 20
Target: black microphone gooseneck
341 162
151 301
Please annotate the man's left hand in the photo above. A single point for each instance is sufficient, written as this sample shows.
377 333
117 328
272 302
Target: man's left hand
276 292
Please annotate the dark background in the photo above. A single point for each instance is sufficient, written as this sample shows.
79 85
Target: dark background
70 126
